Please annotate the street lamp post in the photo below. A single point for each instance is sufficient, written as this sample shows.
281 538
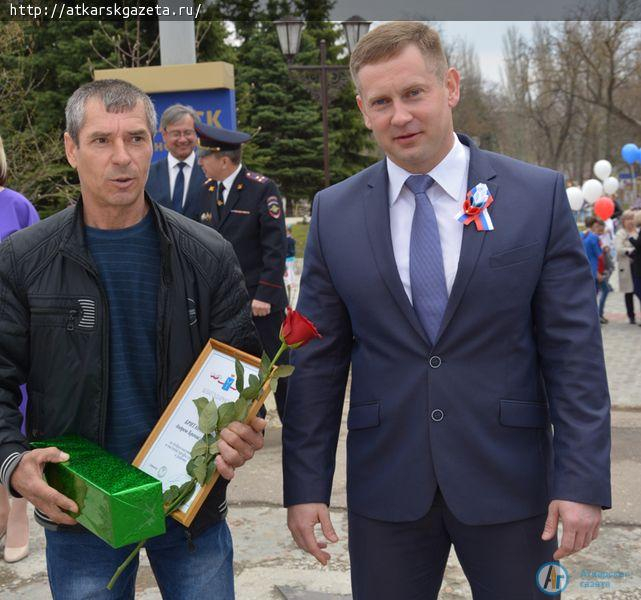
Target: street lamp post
289 32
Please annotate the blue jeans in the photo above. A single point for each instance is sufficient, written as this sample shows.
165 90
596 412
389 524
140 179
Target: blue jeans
604 289
80 565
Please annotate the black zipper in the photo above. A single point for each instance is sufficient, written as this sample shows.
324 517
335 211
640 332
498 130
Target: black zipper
70 312
71 319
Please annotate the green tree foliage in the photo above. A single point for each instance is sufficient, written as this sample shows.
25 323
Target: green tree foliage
42 63
286 106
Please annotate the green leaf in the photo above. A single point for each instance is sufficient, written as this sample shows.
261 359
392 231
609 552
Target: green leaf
208 418
273 384
191 465
250 392
187 490
264 367
200 470
283 371
226 414
199 449
254 381
240 376
183 488
213 450
241 410
170 494
211 467
200 404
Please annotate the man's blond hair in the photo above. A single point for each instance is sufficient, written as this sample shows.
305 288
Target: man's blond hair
388 40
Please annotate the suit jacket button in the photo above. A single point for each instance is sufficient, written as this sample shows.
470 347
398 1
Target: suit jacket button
435 362
437 415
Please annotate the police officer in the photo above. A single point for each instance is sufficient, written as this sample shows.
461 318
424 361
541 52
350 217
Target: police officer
245 208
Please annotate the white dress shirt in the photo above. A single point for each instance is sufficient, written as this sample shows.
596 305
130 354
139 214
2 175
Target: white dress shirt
172 163
446 194
229 181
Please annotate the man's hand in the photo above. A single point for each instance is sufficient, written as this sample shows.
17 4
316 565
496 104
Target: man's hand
301 520
260 308
237 444
27 480
581 524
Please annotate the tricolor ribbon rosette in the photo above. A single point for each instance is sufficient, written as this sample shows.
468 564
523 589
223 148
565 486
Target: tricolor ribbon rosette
477 201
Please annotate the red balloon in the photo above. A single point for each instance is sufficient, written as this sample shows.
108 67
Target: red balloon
604 208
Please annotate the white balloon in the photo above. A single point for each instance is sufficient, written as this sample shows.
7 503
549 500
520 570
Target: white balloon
575 196
592 189
610 185
602 169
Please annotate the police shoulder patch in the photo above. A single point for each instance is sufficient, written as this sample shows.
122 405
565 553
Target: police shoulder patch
273 207
256 177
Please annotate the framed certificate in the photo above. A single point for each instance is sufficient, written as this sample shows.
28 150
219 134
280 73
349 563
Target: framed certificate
167 450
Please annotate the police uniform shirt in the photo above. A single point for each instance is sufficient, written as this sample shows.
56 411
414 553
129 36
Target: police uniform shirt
253 221
227 183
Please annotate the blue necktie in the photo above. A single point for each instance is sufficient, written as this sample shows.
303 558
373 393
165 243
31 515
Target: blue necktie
427 275
179 189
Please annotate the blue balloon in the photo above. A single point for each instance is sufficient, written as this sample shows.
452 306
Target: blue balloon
639 155
630 153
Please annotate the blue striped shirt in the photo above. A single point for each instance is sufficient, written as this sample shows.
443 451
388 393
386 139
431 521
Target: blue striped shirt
128 262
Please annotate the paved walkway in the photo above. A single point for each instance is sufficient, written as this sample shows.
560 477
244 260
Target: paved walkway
268 565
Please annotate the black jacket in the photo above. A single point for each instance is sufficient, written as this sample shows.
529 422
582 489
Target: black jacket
253 221
635 265
54 325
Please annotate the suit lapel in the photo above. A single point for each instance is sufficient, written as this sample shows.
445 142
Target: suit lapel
376 209
232 197
164 183
195 183
479 171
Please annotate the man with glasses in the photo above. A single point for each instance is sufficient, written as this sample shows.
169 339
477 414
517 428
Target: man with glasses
175 181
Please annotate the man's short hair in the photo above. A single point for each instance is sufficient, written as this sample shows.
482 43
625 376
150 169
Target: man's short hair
589 221
176 112
234 155
388 40
3 164
116 95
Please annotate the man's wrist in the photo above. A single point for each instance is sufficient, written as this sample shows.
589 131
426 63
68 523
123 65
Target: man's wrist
7 468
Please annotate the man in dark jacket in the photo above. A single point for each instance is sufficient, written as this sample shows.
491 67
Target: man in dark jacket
245 208
104 307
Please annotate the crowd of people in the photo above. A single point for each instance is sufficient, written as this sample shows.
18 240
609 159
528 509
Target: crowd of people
610 246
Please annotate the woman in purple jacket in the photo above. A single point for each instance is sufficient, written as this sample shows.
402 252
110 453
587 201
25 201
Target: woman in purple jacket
16 212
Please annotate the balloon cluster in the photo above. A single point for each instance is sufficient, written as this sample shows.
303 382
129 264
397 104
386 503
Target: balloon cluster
593 191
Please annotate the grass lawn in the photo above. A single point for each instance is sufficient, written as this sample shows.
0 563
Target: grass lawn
299 231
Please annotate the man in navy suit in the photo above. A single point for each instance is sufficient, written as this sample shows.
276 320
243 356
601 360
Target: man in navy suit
175 181
453 282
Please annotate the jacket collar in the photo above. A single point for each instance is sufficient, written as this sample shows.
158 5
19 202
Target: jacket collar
75 243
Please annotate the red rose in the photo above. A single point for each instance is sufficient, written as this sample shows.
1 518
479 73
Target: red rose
297 330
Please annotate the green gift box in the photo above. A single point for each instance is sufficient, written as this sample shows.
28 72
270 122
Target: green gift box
116 501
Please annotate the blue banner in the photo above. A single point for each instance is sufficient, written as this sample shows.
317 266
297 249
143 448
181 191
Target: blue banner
215 107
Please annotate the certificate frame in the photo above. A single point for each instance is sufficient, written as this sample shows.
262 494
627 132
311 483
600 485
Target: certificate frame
182 401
